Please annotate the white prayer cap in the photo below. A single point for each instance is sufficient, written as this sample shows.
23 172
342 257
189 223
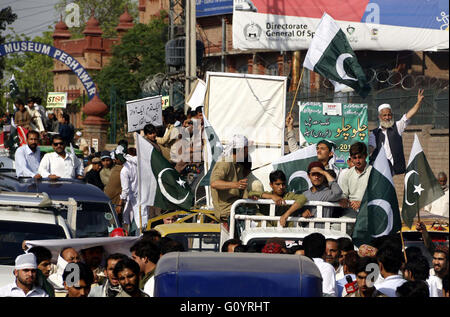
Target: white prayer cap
239 141
79 133
384 106
26 261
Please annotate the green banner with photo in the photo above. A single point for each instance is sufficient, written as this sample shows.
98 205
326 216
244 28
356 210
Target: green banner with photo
341 123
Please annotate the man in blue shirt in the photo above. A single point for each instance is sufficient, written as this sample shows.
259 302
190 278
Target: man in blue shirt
28 157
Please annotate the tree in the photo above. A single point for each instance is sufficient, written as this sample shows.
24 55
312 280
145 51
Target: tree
33 71
6 17
107 12
140 54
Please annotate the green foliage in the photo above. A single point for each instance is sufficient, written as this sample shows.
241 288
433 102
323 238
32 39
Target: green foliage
6 17
139 55
33 71
107 12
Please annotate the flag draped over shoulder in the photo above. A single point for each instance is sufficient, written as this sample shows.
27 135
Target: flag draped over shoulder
159 184
331 56
379 214
214 149
421 186
17 138
295 166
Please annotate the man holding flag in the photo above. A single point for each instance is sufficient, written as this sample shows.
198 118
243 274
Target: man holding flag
159 184
378 214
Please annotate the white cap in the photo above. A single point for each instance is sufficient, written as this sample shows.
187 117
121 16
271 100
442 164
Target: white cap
79 133
239 141
384 106
26 261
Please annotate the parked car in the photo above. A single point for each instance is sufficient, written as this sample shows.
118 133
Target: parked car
24 217
96 216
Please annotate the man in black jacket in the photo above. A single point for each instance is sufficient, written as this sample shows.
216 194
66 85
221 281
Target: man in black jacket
93 176
389 135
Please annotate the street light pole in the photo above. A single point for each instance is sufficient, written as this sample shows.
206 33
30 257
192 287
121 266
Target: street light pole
190 49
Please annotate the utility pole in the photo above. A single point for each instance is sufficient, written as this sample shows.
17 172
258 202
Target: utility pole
190 49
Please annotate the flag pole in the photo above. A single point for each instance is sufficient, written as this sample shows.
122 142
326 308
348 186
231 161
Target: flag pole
140 219
403 244
136 141
296 92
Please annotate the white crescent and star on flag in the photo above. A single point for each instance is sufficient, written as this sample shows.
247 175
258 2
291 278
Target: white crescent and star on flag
417 188
164 191
340 66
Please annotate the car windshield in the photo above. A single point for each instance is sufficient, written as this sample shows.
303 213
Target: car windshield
198 241
13 233
93 219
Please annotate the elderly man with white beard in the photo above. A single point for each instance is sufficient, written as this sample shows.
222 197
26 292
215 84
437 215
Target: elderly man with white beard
389 135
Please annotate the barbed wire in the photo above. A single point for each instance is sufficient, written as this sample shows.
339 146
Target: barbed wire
393 78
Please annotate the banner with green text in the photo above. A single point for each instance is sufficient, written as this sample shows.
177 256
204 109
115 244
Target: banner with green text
341 123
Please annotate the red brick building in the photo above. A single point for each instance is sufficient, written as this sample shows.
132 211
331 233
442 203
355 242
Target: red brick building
92 51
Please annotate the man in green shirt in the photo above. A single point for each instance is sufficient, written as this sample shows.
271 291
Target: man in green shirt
279 196
227 180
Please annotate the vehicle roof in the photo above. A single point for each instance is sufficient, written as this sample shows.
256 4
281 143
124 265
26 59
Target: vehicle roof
214 274
33 215
187 227
437 228
238 262
56 190
299 233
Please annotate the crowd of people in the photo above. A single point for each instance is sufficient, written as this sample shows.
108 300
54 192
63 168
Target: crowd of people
377 270
381 269
115 172
99 274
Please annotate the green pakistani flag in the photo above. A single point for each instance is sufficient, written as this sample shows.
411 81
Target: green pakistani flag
421 186
331 56
295 166
379 214
159 184
213 151
13 88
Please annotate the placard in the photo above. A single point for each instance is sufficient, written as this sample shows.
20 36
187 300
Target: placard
95 144
343 130
165 102
141 112
57 100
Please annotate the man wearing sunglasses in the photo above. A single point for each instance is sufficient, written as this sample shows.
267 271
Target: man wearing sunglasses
60 164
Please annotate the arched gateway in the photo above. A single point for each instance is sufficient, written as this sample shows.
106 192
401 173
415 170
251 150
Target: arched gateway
55 53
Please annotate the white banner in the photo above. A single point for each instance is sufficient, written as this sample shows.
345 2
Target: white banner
141 112
263 26
253 106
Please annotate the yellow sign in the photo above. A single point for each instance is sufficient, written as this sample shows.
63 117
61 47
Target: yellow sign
165 102
57 100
